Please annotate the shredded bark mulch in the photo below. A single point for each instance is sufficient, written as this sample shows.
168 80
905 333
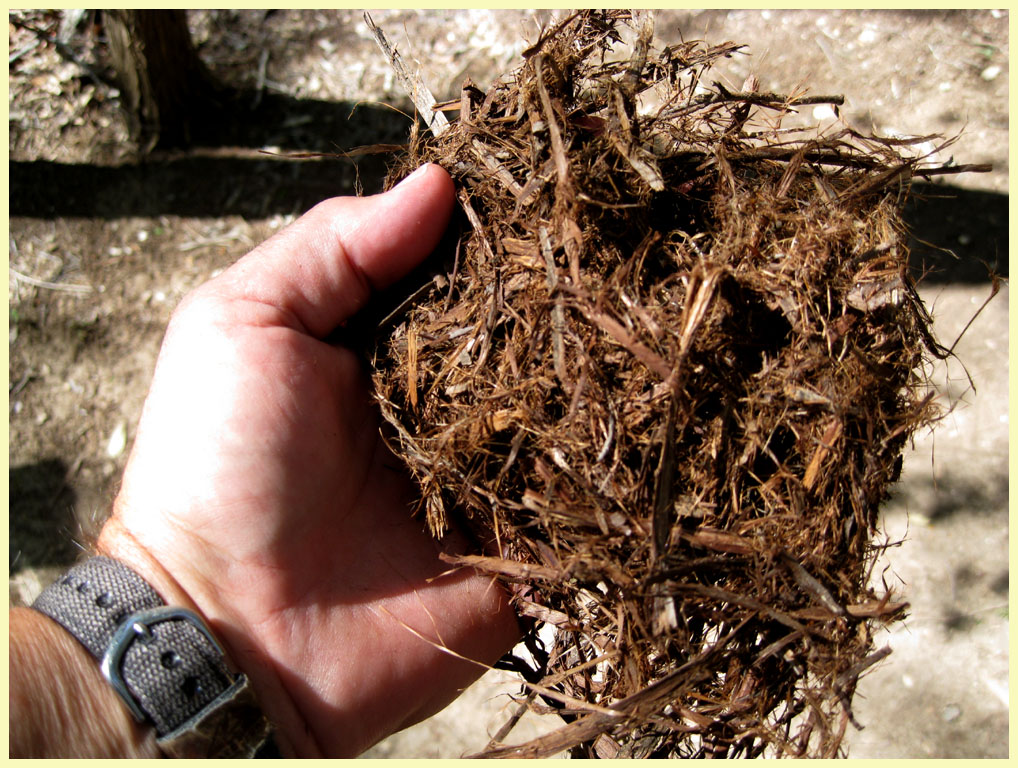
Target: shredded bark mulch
665 378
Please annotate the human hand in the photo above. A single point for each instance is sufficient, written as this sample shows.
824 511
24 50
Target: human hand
259 491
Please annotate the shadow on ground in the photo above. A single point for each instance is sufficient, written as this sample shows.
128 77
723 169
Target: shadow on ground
41 519
949 225
226 174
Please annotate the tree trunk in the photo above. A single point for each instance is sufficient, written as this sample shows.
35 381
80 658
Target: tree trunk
165 88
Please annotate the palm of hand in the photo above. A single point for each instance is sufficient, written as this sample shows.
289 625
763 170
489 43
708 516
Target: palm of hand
258 480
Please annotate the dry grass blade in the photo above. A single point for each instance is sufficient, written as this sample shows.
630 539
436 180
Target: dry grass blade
419 93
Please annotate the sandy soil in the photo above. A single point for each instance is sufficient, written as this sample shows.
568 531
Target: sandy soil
103 245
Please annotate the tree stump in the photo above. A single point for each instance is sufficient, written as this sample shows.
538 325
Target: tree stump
167 90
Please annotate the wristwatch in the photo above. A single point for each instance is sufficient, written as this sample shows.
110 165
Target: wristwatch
162 661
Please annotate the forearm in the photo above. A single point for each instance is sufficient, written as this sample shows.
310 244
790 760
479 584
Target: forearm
60 705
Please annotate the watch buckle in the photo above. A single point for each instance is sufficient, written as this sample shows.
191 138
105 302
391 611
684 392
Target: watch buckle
138 625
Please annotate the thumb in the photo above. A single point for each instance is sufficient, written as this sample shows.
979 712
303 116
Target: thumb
322 269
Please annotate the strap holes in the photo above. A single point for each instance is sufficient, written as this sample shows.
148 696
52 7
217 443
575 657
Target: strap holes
104 600
83 587
191 687
171 660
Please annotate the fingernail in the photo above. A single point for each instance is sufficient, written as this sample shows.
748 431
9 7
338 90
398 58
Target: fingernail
419 172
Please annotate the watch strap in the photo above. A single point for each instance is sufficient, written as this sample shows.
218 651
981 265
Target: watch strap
233 726
93 598
164 662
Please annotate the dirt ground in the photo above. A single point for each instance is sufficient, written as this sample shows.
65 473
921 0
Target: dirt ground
103 244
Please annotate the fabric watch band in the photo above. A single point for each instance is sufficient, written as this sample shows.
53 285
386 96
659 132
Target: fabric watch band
163 661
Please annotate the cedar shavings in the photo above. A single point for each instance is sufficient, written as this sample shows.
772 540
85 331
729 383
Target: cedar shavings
665 382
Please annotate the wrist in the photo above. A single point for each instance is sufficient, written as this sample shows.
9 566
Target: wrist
53 680
186 588
159 663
